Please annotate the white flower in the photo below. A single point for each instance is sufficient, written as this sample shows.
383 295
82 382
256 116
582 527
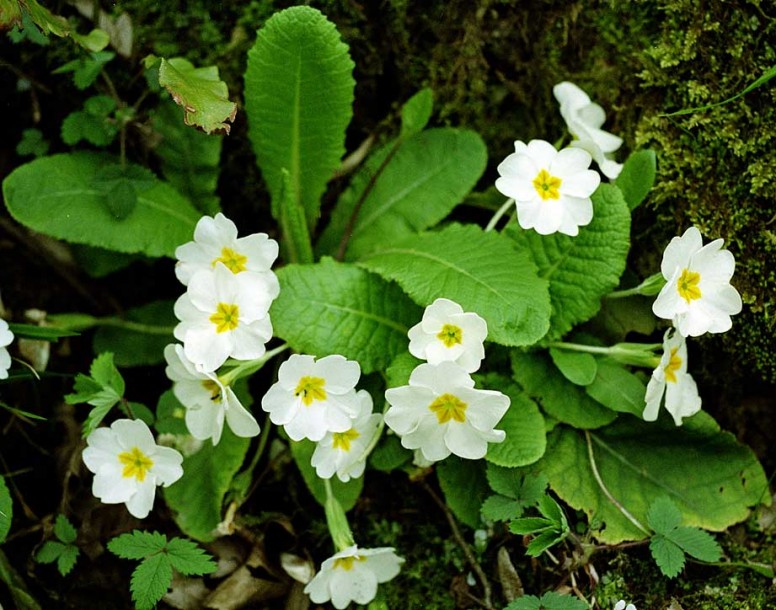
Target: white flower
620 605
551 189
128 465
216 241
223 315
584 120
208 401
312 398
344 452
352 575
6 336
447 333
697 297
672 379
440 412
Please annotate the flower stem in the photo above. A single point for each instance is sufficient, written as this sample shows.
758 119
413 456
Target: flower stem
336 520
635 354
649 287
499 213
249 367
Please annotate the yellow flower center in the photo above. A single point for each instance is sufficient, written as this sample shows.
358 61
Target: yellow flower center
310 389
450 335
547 185
226 317
346 563
673 365
213 389
447 407
342 440
688 285
136 464
234 261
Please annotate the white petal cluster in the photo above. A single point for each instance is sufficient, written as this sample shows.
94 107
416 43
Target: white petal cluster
313 397
447 333
584 120
223 314
440 412
207 400
671 379
128 465
620 605
344 453
352 575
551 188
697 297
6 337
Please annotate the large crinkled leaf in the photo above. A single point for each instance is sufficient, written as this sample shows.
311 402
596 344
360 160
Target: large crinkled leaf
61 197
483 272
337 308
637 177
560 398
710 477
6 510
203 96
425 177
298 98
581 269
197 497
616 387
189 158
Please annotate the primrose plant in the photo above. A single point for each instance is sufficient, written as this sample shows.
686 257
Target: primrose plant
498 355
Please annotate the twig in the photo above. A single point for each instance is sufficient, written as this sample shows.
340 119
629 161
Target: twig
486 590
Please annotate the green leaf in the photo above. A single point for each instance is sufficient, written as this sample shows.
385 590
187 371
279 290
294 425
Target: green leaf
404 188
548 601
66 560
618 317
389 454
558 397
57 196
637 177
137 544
103 390
197 497
293 225
189 158
170 415
544 541
134 347
500 508
120 186
50 551
336 308
663 515
32 143
150 581
298 98
346 493
86 69
578 367
43 333
416 112
523 423
696 543
711 478
529 525
581 269
203 96
64 530
617 388
667 555
104 372
516 483
481 271
399 371
16 586
92 124
188 558
96 40
465 488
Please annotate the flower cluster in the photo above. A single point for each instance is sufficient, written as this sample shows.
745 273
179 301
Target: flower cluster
223 314
440 412
6 337
552 189
697 298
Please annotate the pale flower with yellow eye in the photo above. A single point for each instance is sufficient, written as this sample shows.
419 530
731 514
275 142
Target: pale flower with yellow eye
128 465
6 337
671 379
697 297
208 402
311 398
223 315
216 241
344 453
446 332
352 575
551 188
440 412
